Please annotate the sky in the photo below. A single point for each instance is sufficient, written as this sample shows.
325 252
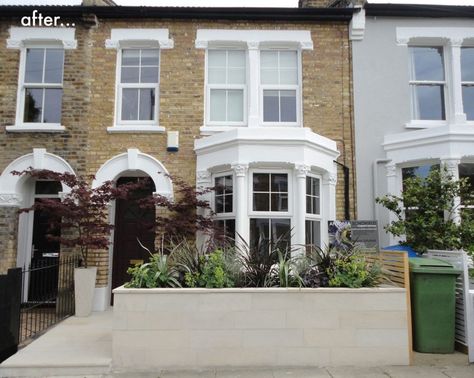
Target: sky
223 3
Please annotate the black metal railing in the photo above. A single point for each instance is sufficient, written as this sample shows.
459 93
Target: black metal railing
47 294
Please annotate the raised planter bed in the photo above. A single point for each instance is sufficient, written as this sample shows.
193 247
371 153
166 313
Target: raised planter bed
250 327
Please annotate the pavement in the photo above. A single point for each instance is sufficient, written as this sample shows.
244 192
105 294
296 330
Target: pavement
82 348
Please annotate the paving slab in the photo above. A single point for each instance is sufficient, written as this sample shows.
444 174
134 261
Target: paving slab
301 373
459 371
414 372
245 373
356 372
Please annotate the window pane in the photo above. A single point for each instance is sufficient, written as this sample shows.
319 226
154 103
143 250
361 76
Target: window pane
216 75
269 59
229 185
52 105
288 106
236 76
315 205
271 106
313 233
147 104
289 76
228 203
429 102
150 57
236 58
315 185
261 182
421 171
281 233
466 171
33 105
34 66
468 101
47 187
309 203
149 75
219 204
130 75
269 76
129 104
467 64
427 63
219 183
216 58
217 106
130 57
279 182
235 106
261 202
54 66
259 231
288 59
279 202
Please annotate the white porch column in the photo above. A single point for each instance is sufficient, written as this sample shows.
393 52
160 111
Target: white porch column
392 188
329 203
452 169
242 223
456 89
253 84
301 171
203 181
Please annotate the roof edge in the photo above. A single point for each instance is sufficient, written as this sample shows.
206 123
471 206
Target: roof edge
419 10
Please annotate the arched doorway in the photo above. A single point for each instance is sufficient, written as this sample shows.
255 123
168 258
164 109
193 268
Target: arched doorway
134 227
132 164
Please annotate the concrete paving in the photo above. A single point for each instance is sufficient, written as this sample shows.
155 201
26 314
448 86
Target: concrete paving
82 348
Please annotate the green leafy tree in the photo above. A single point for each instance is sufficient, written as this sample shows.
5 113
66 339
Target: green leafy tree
425 210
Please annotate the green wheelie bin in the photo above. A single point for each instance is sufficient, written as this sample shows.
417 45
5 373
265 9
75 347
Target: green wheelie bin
433 301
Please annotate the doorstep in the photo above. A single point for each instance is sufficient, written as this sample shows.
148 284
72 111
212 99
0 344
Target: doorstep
76 346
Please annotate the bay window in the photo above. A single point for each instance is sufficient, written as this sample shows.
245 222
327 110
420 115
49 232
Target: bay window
427 83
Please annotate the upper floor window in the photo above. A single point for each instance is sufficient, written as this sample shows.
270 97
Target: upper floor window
467 81
42 84
427 82
279 86
226 86
138 86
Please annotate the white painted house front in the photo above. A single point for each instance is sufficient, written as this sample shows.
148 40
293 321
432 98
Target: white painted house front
414 98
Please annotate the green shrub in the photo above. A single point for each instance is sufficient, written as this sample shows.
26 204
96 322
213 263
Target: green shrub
159 272
353 272
215 272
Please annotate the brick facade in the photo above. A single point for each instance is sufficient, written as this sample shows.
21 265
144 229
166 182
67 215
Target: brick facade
89 103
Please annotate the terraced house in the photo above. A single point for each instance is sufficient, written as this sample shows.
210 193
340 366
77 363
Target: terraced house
258 100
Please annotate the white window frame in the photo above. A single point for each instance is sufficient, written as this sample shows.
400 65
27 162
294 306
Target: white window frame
315 217
413 83
282 87
22 38
120 86
466 83
209 87
271 214
222 216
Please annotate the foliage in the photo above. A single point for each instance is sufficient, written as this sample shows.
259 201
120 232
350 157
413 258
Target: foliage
424 213
215 272
82 214
184 215
353 272
160 271
285 272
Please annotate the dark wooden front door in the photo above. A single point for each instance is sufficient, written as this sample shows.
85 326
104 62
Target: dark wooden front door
132 223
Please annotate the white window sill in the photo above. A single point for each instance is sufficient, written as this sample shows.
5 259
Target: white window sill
421 124
209 130
136 129
36 128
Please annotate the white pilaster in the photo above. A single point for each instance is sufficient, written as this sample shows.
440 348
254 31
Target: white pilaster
452 170
457 108
301 171
253 83
242 223
329 202
203 181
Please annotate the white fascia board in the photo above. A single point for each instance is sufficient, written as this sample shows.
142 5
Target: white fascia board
120 38
220 37
24 36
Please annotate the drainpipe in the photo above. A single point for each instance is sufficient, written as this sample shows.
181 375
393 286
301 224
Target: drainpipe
345 170
375 178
